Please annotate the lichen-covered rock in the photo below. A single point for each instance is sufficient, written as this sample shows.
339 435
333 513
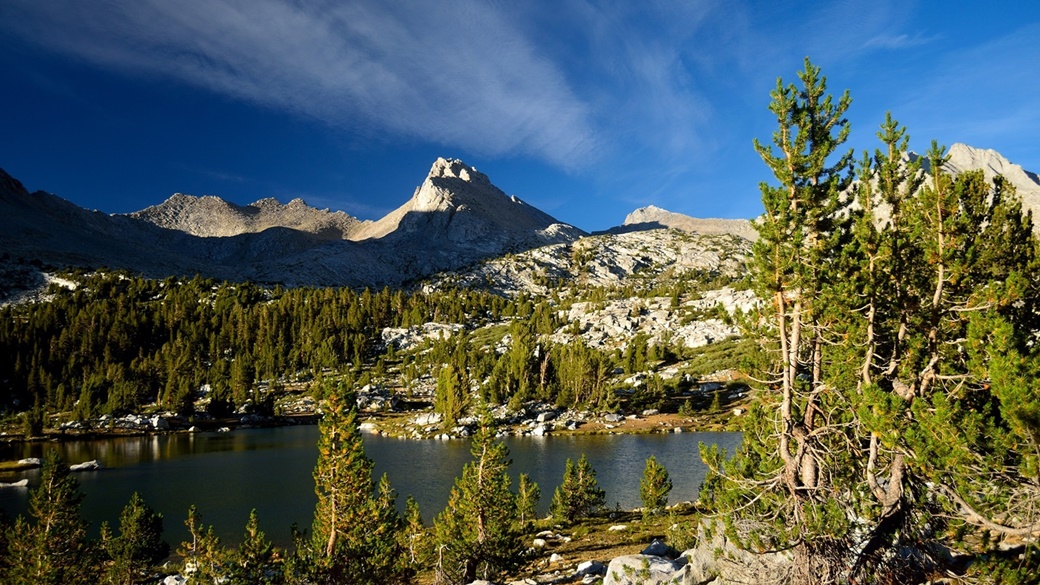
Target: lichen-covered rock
648 570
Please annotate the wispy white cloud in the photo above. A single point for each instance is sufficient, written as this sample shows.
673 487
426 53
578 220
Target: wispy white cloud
899 41
457 74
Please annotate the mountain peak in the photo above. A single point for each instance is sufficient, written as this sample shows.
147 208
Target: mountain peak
453 168
457 203
992 163
9 184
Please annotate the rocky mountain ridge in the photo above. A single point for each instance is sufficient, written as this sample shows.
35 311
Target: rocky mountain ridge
1027 184
455 218
641 258
210 216
653 217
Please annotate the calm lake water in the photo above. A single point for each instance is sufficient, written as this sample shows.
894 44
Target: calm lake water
227 474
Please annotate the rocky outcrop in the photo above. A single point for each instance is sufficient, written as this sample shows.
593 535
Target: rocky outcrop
607 260
649 570
714 561
92 465
609 325
653 217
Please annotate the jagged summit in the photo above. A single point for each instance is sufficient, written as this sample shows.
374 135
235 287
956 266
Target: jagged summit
963 157
210 216
458 204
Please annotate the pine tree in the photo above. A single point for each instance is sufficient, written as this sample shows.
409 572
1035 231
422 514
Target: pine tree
476 536
579 496
902 413
654 487
139 544
253 562
54 548
527 496
204 557
452 398
415 537
354 534
802 236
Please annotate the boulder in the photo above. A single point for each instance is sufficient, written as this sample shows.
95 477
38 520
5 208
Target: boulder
160 424
545 416
648 570
659 549
718 558
30 462
20 483
590 568
92 465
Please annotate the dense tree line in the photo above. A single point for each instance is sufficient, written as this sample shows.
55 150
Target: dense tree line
118 342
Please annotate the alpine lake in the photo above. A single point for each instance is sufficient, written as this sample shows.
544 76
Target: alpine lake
227 474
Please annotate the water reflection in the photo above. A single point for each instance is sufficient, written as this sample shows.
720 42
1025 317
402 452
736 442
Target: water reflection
227 474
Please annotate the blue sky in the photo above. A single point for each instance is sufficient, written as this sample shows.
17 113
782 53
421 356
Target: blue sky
587 110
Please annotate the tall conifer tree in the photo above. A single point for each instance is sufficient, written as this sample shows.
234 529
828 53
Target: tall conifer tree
902 411
477 535
52 549
139 543
354 534
654 487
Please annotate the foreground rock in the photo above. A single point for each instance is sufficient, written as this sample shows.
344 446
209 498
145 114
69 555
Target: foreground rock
714 561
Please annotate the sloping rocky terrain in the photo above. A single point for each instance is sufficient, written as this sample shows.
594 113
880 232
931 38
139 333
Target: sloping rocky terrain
603 260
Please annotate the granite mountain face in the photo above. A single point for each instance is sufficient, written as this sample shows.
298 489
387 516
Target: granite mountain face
210 216
457 223
455 218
